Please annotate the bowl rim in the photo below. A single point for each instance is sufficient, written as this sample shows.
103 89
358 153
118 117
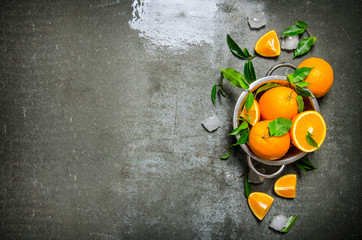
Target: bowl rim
284 160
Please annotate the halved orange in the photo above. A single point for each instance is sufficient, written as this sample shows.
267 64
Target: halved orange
260 204
286 185
268 45
253 114
304 122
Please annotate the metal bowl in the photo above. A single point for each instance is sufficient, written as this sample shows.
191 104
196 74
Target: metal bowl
294 154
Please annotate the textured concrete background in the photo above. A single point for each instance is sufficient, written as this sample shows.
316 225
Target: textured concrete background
101 104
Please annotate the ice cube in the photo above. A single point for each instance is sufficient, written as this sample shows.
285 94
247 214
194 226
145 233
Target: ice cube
253 177
229 179
290 42
279 222
211 123
257 20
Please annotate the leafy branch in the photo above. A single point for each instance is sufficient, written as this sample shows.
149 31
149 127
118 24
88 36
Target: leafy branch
235 78
305 44
297 80
219 88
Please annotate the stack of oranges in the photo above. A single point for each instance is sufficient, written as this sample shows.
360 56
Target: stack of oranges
281 101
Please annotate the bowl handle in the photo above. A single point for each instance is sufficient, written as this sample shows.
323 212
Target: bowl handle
250 163
282 64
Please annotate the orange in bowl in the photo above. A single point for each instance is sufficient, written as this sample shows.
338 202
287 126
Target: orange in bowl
278 102
253 114
308 123
265 146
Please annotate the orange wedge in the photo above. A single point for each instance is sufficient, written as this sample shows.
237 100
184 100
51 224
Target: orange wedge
260 204
253 114
304 122
268 45
286 185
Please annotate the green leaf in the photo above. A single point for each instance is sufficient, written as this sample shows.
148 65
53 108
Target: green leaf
248 117
247 187
303 92
307 162
303 84
301 24
226 156
222 92
300 103
304 164
279 126
293 30
244 134
311 141
243 125
307 167
266 87
304 46
310 134
290 78
290 223
249 71
299 74
234 48
249 101
314 40
235 78
246 52
300 166
213 93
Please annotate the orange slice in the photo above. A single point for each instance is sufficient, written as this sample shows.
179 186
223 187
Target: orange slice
268 45
253 114
304 122
260 204
286 185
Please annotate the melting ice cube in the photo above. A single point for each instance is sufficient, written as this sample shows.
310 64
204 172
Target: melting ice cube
279 222
229 179
257 20
253 177
290 42
211 123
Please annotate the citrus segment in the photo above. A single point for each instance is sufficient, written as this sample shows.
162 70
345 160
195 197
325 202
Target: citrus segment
260 204
278 102
268 45
320 77
286 185
265 146
304 122
253 114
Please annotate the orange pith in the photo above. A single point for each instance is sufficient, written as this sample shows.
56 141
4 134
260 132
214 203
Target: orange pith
320 77
265 146
260 204
286 185
311 121
253 113
268 45
278 102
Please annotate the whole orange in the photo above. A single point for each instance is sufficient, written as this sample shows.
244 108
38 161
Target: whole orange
266 146
278 102
320 77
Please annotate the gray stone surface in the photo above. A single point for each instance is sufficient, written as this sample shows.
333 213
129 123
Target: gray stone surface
101 104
